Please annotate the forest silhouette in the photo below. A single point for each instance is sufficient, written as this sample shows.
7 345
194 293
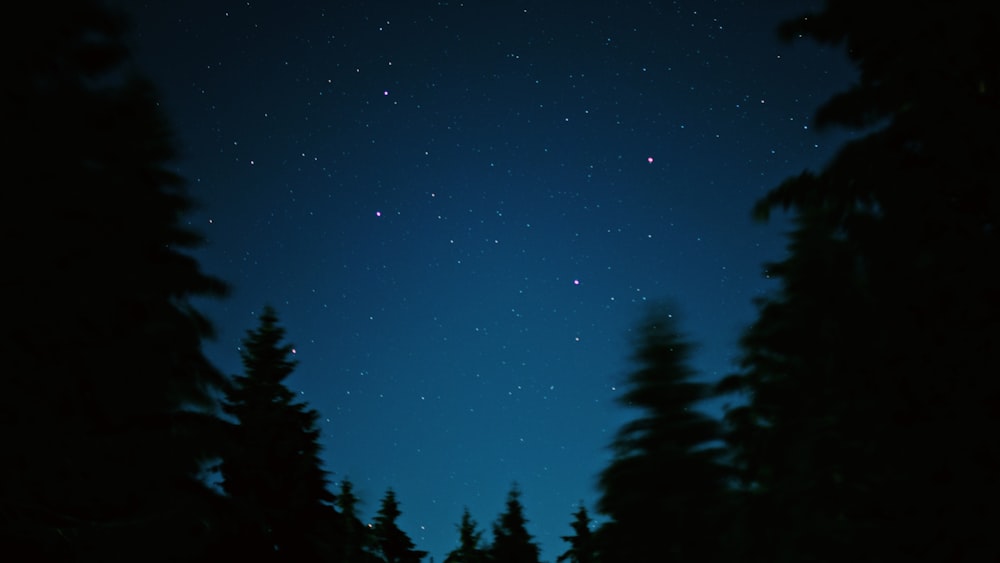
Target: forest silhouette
869 397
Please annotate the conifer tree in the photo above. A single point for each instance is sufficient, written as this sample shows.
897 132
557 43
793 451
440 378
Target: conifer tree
106 411
273 471
511 541
582 548
355 539
665 487
470 548
870 372
392 543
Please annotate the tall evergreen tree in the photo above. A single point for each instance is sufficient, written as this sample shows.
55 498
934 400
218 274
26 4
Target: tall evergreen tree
511 541
105 415
470 548
788 445
582 548
391 542
870 373
356 540
273 471
665 487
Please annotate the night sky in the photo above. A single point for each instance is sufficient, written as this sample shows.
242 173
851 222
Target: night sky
460 209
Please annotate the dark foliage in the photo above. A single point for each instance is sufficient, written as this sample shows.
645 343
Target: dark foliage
511 541
103 415
872 372
665 487
470 548
582 547
392 543
272 470
356 540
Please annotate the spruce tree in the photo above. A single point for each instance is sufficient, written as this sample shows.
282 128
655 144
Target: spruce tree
470 548
273 471
870 372
392 543
582 548
665 487
511 541
106 411
356 542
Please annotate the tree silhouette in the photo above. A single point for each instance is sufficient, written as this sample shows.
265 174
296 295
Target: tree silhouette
391 542
356 540
106 411
582 548
511 541
665 486
788 440
470 549
273 471
870 373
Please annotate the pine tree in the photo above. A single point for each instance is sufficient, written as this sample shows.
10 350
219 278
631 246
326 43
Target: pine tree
511 541
356 540
392 543
106 411
470 549
665 487
582 546
869 373
788 442
273 471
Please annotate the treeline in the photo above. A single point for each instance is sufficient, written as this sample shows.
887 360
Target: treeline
866 403
277 495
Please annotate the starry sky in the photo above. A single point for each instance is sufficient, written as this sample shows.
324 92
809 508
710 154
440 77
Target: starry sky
460 209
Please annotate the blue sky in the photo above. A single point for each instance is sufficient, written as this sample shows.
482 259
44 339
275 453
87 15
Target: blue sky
459 210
